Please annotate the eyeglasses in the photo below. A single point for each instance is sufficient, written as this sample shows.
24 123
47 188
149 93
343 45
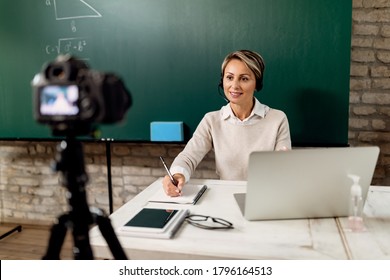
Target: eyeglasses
207 222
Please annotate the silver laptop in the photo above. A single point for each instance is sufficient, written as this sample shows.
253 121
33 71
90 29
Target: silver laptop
305 183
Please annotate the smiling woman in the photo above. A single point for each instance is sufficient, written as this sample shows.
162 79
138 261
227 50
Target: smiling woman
242 74
236 130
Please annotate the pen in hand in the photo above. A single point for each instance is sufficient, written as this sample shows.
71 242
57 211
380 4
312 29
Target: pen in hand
173 180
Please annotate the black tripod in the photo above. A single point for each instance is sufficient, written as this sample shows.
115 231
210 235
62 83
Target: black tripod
70 161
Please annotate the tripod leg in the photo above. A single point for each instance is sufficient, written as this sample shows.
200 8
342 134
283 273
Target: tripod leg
57 237
17 228
108 233
82 249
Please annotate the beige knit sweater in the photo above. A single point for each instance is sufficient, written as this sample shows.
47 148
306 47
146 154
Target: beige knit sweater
233 140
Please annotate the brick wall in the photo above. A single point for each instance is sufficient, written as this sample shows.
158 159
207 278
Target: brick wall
30 191
369 121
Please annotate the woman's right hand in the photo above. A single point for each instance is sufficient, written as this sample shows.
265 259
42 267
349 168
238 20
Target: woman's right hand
172 190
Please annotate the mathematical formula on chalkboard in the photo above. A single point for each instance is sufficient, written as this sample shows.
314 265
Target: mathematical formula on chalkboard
70 10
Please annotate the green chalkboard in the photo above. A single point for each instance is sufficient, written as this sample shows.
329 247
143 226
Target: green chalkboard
169 53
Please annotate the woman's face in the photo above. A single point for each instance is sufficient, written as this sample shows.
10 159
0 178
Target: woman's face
239 83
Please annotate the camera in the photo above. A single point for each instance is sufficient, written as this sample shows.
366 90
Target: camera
72 98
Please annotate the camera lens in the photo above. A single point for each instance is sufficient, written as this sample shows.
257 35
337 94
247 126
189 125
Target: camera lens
58 72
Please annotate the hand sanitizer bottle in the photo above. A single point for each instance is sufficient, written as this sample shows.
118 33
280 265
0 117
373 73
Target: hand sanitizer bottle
355 219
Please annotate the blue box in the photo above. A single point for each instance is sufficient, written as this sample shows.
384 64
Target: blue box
166 131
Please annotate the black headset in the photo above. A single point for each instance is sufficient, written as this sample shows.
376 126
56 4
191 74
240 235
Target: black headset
259 83
259 86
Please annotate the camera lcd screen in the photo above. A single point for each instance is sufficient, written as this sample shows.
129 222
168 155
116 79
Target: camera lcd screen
59 100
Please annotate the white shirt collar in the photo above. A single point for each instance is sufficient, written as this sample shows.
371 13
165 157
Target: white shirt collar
259 110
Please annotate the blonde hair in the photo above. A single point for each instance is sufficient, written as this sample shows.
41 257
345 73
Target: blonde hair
252 60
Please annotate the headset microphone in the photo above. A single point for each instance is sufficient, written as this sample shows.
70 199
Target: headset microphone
220 86
222 94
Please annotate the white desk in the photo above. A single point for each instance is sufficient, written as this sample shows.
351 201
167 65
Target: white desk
283 239
374 243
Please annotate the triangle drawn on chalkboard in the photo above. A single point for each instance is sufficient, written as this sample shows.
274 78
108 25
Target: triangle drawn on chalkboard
72 9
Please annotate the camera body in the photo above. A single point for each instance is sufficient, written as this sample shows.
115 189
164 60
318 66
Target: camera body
70 97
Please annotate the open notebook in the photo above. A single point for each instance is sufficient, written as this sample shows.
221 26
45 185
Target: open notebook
191 193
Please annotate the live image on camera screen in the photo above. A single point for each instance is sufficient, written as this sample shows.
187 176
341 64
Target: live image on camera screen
59 100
